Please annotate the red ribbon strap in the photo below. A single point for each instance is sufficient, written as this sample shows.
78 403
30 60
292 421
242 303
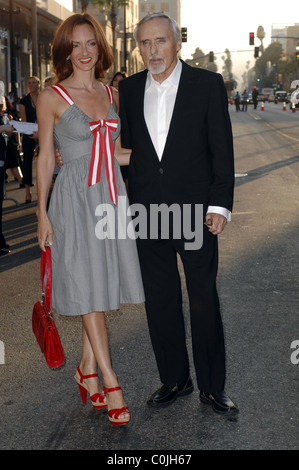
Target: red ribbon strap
103 142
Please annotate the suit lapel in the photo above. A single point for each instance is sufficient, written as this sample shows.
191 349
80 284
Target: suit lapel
184 95
140 100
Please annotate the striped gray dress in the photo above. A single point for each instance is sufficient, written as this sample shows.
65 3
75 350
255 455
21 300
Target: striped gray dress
95 264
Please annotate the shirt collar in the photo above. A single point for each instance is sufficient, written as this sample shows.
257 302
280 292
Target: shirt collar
173 79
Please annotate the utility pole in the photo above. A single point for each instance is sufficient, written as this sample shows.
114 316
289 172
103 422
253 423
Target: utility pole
125 37
13 59
34 38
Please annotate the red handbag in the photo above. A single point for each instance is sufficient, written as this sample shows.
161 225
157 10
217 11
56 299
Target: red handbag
43 325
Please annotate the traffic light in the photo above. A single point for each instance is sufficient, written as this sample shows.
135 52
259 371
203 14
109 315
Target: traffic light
297 55
211 56
256 52
184 34
251 39
258 79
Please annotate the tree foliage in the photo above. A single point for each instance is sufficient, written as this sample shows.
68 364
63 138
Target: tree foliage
112 7
102 4
200 59
227 73
260 33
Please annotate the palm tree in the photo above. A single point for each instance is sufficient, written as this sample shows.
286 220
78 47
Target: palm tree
261 35
112 6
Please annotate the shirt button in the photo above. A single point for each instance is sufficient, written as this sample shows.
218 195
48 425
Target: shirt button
161 171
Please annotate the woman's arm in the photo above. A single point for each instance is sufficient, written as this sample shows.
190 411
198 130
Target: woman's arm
45 164
22 112
122 155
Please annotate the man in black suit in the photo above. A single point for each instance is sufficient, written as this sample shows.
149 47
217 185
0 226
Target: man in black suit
175 120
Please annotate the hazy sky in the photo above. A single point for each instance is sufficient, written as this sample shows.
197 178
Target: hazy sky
219 24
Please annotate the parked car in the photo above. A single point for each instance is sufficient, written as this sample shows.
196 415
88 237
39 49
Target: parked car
294 99
281 96
249 99
267 92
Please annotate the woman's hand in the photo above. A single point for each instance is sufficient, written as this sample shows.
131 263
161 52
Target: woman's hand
44 232
58 158
7 128
121 154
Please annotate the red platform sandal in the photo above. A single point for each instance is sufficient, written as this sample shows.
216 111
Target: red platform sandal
98 399
116 412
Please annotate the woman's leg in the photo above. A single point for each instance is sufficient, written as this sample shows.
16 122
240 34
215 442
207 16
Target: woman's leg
95 350
16 174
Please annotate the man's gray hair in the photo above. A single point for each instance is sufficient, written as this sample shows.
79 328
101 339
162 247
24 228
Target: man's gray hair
174 26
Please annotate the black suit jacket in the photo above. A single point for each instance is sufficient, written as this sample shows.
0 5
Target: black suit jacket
197 165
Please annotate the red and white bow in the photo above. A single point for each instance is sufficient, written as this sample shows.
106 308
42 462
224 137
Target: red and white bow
103 142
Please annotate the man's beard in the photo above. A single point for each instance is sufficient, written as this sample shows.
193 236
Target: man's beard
156 69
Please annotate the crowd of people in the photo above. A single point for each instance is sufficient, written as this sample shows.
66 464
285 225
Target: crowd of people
243 99
176 153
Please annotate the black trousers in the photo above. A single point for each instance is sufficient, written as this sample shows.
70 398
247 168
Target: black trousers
162 284
28 146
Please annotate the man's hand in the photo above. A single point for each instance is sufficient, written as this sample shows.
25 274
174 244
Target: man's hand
215 223
58 158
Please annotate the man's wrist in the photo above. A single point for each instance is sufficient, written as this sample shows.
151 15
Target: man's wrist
220 210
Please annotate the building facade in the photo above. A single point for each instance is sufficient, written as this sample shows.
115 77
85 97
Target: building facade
172 8
20 55
288 36
27 28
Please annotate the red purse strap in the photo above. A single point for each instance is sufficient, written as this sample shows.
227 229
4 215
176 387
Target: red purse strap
46 268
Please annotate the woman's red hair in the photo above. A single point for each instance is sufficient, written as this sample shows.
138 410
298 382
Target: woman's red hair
62 46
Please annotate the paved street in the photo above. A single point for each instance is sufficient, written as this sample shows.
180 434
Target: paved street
258 287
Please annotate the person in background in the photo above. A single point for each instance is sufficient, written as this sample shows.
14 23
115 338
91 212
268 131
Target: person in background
118 76
13 161
29 142
245 97
49 81
237 101
6 131
255 94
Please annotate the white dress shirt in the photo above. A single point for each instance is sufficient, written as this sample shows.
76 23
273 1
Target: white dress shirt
159 100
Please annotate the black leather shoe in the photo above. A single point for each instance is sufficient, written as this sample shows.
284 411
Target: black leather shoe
219 401
169 393
4 251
